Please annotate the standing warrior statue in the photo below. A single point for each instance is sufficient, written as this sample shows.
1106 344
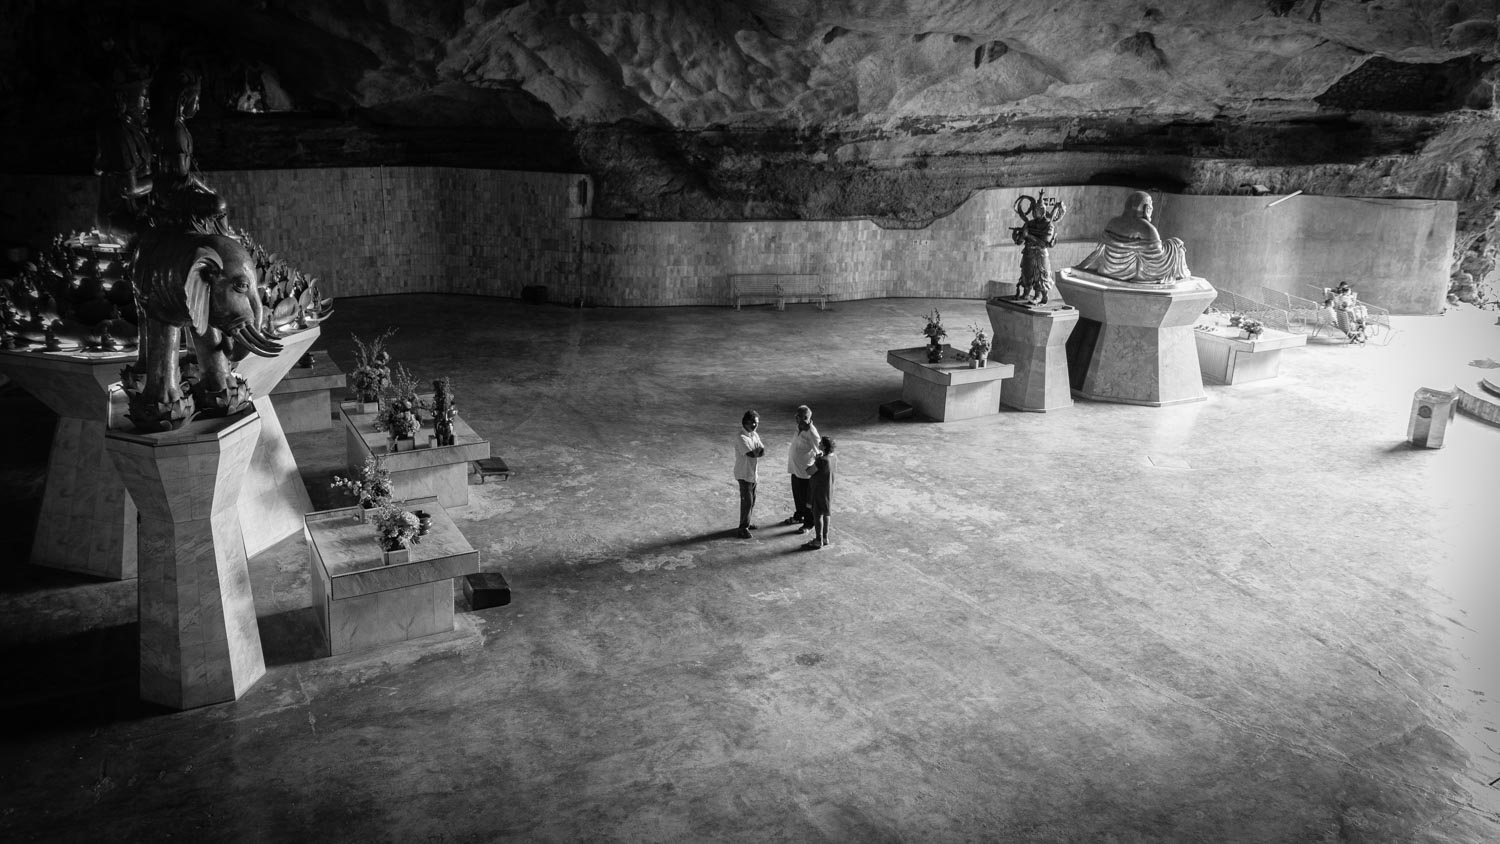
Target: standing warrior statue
1035 236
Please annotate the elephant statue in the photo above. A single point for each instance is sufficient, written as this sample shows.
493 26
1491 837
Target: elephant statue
206 284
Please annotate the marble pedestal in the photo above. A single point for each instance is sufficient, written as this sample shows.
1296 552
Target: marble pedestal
1227 357
199 641
1134 343
363 604
274 499
948 390
1033 339
441 471
87 522
303 399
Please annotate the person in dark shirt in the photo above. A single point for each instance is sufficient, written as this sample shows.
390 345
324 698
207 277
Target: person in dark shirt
824 471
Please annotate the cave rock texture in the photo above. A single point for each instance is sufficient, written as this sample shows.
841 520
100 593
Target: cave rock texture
801 109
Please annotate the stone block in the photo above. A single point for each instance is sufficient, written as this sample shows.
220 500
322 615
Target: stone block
486 589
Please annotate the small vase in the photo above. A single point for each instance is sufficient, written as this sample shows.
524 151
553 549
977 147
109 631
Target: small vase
424 522
400 555
934 352
973 363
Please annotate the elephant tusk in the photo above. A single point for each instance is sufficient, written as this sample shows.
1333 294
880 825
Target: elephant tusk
256 342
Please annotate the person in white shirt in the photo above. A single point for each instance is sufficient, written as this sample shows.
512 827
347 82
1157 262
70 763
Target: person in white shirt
799 456
748 450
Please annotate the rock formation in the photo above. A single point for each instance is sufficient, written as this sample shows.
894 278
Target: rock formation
817 108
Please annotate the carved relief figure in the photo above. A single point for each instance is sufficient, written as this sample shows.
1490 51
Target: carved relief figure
1133 250
1036 234
207 285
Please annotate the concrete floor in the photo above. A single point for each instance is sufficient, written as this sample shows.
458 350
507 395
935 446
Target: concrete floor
1258 618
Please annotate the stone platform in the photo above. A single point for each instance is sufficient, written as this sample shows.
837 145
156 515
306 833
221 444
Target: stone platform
948 390
1134 343
304 398
441 471
1226 356
87 523
1033 339
1481 399
362 603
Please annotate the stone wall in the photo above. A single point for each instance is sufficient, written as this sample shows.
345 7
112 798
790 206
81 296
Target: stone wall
379 230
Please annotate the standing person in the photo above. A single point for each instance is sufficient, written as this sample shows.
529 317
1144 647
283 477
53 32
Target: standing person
799 457
748 450
824 472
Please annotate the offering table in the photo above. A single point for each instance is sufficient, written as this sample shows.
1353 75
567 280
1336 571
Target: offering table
440 470
362 603
948 390
1226 356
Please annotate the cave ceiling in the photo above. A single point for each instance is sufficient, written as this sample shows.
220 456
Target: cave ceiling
802 108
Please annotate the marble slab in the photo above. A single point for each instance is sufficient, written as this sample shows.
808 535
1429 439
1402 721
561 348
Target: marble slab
1227 357
362 603
948 390
199 639
1135 343
441 471
1033 339
87 520
304 398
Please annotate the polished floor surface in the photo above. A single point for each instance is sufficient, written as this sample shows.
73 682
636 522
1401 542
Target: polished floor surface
1259 618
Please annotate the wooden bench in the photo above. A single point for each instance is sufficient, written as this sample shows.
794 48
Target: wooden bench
782 287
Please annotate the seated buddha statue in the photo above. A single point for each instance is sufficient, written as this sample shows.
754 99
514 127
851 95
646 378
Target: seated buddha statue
1133 250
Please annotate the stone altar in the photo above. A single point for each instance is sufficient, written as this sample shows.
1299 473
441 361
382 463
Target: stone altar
363 604
441 471
1228 357
1033 338
199 641
948 390
1134 342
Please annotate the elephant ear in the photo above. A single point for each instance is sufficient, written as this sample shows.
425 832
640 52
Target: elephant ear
200 283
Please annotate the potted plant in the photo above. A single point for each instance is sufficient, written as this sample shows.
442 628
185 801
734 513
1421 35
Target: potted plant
372 373
396 529
1251 327
934 333
979 347
372 487
443 411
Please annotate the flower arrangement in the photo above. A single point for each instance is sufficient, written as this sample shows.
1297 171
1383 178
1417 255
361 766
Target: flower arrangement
933 331
372 373
1251 326
398 417
980 346
395 527
373 485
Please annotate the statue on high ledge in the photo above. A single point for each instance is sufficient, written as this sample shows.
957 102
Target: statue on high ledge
1133 250
183 202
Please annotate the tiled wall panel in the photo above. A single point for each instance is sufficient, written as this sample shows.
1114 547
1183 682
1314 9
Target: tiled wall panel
378 230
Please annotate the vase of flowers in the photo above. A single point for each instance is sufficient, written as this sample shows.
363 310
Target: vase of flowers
1251 328
934 333
395 529
372 372
979 347
372 487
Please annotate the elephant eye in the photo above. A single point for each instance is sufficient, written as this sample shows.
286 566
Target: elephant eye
241 285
